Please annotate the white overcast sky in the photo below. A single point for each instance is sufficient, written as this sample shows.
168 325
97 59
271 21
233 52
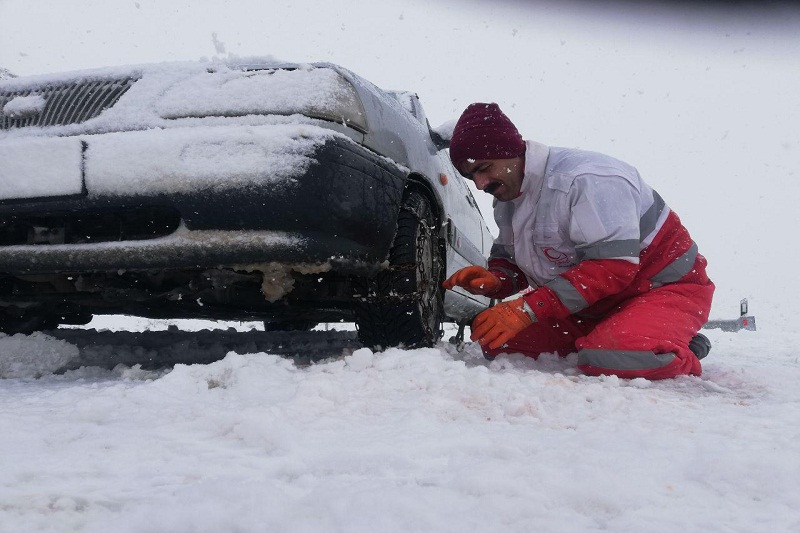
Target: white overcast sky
701 98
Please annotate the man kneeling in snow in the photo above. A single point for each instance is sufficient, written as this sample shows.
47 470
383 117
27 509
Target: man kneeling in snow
610 270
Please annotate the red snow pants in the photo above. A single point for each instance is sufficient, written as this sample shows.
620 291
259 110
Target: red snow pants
646 335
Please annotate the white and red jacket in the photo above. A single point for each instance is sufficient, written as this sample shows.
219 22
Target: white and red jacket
587 233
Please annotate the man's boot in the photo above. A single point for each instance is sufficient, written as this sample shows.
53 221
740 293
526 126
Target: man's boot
700 345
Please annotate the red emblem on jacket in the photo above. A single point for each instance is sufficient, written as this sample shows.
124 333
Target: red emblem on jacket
554 256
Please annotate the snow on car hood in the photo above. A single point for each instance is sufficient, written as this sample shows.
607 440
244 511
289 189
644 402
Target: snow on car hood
320 92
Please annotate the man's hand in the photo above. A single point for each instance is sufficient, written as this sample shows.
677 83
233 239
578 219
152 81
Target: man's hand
501 323
474 279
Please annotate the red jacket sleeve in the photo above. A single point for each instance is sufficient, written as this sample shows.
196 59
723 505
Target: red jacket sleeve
513 280
581 286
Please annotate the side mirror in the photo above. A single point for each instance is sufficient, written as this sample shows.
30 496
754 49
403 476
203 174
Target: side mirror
441 136
440 142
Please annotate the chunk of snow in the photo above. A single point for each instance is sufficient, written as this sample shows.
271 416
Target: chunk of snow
24 106
360 360
33 356
36 167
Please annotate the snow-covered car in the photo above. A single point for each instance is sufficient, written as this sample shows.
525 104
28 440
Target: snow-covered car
293 194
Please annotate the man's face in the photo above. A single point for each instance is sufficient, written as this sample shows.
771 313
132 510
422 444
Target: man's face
502 178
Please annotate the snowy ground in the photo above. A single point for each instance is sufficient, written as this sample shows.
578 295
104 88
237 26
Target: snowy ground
402 440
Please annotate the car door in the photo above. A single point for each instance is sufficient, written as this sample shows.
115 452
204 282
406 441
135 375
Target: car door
466 227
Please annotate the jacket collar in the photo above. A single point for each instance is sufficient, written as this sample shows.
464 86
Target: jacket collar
536 155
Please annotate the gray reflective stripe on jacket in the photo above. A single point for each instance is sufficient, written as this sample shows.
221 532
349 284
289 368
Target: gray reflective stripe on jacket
678 268
568 294
624 359
649 222
610 249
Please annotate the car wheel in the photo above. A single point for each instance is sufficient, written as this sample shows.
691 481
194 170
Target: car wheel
404 304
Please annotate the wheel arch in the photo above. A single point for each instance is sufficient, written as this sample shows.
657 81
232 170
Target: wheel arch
419 183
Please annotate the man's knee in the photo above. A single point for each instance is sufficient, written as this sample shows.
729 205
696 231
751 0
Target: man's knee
545 336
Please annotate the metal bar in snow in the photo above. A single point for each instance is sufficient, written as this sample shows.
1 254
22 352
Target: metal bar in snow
743 322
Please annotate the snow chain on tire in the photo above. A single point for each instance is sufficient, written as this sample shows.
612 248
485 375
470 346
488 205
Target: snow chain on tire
403 305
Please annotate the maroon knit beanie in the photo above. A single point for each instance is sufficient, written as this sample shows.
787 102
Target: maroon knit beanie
484 132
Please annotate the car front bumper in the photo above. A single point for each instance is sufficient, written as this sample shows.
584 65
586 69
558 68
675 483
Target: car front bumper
335 202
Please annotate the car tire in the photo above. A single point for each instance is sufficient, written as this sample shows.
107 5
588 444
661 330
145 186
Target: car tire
404 304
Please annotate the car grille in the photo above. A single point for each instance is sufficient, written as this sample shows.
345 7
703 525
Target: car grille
129 224
70 103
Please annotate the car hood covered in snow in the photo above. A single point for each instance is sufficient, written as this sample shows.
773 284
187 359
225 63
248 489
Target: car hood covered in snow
157 95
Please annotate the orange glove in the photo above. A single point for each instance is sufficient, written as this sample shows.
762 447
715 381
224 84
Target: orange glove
474 279
501 323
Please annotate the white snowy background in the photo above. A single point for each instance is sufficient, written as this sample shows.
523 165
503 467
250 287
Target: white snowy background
701 98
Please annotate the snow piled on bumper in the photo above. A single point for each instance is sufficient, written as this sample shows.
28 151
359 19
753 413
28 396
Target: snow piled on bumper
186 159
33 356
